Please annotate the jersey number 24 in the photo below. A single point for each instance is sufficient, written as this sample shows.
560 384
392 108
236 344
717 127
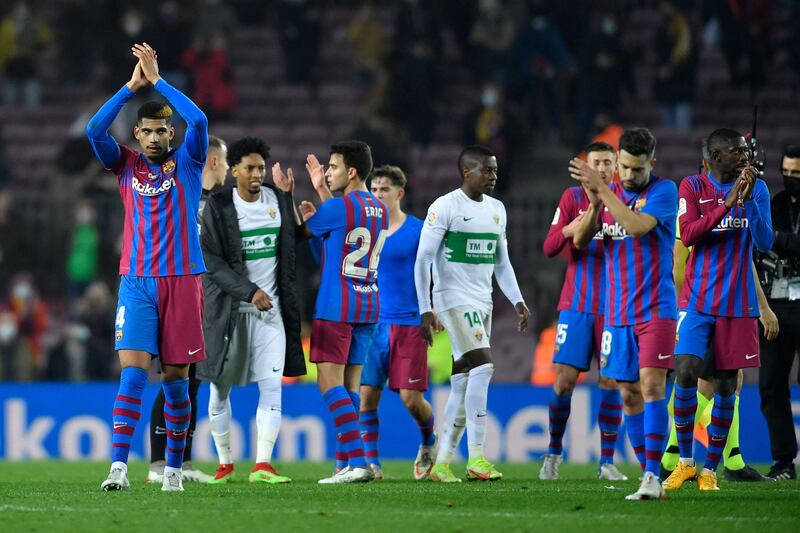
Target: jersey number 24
363 239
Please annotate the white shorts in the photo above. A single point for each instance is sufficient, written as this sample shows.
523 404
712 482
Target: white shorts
468 328
257 348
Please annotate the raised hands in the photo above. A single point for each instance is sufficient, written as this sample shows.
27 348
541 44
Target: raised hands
138 81
316 171
307 210
147 59
281 180
589 177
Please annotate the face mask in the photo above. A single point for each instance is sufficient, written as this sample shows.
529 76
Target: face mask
608 27
489 98
792 185
8 330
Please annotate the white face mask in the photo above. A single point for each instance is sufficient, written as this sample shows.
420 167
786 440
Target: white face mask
489 98
22 291
608 27
8 330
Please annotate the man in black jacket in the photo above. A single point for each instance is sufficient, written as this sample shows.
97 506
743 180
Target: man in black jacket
782 270
252 319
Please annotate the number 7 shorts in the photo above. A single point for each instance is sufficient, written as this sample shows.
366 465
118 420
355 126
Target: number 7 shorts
162 316
468 327
626 349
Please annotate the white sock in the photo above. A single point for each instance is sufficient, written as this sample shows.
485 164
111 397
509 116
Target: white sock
120 464
688 461
454 419
268 417
475 403
171 469
219 415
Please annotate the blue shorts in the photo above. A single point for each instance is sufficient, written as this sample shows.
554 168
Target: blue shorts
626 349
734 339
695 333
341 343
376 367
577 339
161 316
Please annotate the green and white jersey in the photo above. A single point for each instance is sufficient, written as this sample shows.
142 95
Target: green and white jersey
471 235
260 229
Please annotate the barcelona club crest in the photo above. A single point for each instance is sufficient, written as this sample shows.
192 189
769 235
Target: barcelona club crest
603 361
639 205
272 213
118 335
168 167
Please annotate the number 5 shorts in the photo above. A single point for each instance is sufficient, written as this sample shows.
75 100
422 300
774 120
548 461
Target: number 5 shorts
161 316
257 348
626 349
578 339
466 333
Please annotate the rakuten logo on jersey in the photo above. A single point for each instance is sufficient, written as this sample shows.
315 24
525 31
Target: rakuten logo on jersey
145 189
615 230
730 223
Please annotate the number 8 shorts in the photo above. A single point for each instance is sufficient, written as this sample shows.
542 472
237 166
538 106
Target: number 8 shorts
161 316
626 349
468 328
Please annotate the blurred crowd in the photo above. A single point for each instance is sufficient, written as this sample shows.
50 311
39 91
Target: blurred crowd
539 72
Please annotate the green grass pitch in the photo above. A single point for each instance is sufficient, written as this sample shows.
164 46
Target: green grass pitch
62 496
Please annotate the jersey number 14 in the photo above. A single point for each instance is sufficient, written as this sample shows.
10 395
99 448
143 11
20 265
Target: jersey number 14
363 239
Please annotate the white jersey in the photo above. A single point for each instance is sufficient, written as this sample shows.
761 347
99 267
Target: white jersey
260 229
471 235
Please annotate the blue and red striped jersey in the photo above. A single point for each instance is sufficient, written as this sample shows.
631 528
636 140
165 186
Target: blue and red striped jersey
353 230
584 284
161 203
719 277
639 270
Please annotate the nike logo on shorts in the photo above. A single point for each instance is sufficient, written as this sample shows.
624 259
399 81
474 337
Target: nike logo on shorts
192 352
750 356
468 219
414 380
661 357
276 369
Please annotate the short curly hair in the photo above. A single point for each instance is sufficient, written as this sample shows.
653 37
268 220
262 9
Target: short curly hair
246 146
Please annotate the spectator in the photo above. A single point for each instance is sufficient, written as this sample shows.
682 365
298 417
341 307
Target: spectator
413 91
539 55
300 32
212 75
676 65
77 357
370 49
490 40
96 310
31 317
23 36
171 40
746 30
15 361
82 260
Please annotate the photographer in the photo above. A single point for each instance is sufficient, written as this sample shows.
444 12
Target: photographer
779 272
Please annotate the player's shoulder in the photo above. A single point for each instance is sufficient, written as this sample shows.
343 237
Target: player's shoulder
414 223
761 186
695 182
663 185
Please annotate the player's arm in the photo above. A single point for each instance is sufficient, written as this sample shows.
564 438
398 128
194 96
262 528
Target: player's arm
103 143
680 255
636 224
217 268
767 317
285 182
430 240
319 221
507 281
196 138
757 211
555 240
587 227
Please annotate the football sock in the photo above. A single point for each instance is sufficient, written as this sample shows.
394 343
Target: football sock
194 387
341 455
426 431
127 411
455 419
370 427
732 457
475 403
721 419
656 421
609 419
177 413
345 420
634 424
558 411
685 414
219 415
670 458
158 429
268 418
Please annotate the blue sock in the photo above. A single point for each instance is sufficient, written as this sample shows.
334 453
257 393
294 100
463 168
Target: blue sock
426 430
656 421
177 414
345 421
685 409
634 425
558 409
721 420
127 411
370 426
609 419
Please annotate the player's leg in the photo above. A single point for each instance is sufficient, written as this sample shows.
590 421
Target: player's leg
180 312
158 439
219 417
455 421
735 467
408 375
136 328
190 473
373 378
609 419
